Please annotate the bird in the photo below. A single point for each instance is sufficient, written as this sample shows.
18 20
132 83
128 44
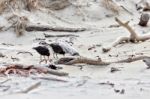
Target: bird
57 49
147 62
43 51
63 48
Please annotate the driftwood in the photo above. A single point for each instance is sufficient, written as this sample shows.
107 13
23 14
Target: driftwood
79 60
4 81
48 28
133 38
51 79
27 70
131 59
65 35
24 52
32 87
84 60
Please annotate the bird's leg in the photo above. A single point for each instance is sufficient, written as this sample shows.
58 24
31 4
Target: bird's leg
56 56
40 59
49 59
45 59
53 55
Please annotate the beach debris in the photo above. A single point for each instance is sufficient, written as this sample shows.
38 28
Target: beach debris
107 83
24 70
25 52
114 69
144 19
30 28
122 91
81 60
62 35
134 37
30 88
15 59
92 47
51 79
2 55
7 44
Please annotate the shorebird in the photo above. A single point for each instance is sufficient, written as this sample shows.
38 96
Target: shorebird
63 48
43 51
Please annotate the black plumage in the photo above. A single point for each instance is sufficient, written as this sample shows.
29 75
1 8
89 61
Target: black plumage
57 49
43 51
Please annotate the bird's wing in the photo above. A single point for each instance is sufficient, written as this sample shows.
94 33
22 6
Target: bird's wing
67 48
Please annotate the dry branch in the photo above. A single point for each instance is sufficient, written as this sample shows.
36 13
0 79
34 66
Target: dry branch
84 60
58 29
5 81
24 52
50 78
131 59
65 35
32 87
80 60
133 37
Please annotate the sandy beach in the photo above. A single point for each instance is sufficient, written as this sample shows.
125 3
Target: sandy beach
131 81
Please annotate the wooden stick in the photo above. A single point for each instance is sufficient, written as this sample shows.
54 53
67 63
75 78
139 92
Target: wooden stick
50 78
131 59
5 81
80 60
134 37
49 28
32 87
133 34
65 35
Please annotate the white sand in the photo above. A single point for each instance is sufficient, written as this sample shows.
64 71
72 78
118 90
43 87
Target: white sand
133 77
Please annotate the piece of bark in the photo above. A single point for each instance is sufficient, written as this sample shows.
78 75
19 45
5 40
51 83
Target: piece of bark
144 19
58 29
24 52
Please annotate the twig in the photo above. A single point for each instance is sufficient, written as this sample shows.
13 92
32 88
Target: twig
49 28
5 81
65 35
50 78
126 10
32 87
24 52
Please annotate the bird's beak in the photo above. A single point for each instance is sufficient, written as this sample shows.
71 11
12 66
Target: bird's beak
33 48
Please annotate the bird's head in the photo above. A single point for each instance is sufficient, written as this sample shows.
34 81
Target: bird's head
51 44
43 43
34 48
